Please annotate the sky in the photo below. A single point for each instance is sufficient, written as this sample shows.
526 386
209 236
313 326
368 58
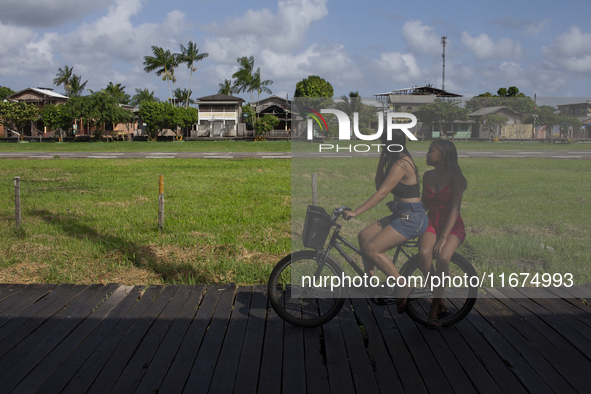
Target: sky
376 46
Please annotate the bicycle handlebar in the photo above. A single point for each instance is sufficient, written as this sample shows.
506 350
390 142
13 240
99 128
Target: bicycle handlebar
338 212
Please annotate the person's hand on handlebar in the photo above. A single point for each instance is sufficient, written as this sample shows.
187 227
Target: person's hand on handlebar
349 214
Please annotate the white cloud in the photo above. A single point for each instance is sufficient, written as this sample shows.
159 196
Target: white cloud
421 39
47 13
484 47
571 51
397 67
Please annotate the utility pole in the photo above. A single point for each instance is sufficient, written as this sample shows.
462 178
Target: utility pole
443 42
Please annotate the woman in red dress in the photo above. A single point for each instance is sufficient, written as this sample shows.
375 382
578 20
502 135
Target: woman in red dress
443 188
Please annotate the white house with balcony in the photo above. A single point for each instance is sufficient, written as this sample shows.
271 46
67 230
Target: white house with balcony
219 116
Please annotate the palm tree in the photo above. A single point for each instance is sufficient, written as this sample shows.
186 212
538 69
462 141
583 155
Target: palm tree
163 62
118 92
226 87
142 95
63 77
182 95
190 55
76 87
260 86
244 76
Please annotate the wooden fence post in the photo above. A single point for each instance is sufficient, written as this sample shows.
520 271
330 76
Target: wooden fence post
314 190
17 200
161 203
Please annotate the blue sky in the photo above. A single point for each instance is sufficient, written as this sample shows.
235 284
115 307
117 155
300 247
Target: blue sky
542 47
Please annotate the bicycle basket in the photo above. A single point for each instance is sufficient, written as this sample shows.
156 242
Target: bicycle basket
316 227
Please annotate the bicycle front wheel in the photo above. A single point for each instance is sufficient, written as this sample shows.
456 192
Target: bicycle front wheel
300 289
459 297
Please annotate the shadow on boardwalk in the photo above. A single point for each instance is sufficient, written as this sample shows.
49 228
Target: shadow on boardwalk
196 339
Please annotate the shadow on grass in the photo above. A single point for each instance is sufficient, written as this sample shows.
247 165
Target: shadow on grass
140 256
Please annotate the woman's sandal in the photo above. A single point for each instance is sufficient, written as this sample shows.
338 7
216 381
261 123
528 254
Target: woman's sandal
434 323
443 312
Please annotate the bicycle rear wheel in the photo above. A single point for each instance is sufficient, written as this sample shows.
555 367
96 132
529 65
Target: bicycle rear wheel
300 293
458 298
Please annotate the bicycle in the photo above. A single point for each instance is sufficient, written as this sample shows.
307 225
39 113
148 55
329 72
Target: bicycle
318 303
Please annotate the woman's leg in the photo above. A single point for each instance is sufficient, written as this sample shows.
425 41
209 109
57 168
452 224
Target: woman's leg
368 233
426 244
442 268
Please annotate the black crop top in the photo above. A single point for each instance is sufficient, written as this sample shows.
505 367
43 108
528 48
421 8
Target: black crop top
407 191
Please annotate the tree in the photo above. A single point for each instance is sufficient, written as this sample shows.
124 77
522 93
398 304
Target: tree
4 92
546 116
313 92
159 116
441 112
495 121
353 104
259 85
142 95
76 86
190 55
226 88
163 62
57 117
566 122
265 123
510 98
183 97
244 76
63 78
99 109
118 92
17 116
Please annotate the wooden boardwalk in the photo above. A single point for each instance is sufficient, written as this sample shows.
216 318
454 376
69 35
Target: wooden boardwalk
197 339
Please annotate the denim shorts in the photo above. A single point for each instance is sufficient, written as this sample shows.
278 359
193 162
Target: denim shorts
408 218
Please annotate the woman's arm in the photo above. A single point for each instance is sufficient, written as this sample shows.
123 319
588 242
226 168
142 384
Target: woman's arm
456 202
379 179
424 198
395 175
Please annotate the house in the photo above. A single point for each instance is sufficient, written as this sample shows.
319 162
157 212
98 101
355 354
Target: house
514 127
39 97
276 106
581 111
219 116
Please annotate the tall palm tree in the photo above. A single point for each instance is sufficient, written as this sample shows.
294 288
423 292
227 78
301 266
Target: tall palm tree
63 77
260 86
76 87
181 95
163 62
226 87
118 92
244 76
190 55
142 95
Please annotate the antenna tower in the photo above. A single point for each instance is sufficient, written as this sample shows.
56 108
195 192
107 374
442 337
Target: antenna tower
443 42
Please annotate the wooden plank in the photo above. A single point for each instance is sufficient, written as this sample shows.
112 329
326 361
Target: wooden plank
32 310
272 357
249 366
580 303
524 372
556 322
581 291
22 301
67 368
571 364
495 313
432 374
407 370
315 362
167 352
386 376
224 376
361 366
100 354
568 309
15 347
44 368
294 367
203 368
136 368
177 375
4 286
52 338
130 342
339 370
5 296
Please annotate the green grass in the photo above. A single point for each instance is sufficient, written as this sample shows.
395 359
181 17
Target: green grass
89 221
261 146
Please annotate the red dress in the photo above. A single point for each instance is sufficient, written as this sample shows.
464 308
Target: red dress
439 210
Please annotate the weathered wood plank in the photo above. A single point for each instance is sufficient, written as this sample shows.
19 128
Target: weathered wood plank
6 297
167 352
28 296
272 357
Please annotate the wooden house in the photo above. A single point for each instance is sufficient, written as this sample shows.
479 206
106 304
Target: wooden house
220 116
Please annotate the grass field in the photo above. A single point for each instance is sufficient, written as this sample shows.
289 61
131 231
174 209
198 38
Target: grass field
89 221
259 146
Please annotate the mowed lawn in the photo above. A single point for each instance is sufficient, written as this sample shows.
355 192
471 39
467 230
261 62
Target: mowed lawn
95 221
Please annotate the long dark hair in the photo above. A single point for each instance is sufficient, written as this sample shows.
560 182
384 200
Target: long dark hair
398 138
450 159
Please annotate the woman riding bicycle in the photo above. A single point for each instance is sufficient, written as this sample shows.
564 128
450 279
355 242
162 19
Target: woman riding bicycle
443 188
396 174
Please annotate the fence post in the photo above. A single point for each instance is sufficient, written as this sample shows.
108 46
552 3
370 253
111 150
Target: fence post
17 200
161 203
314 190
